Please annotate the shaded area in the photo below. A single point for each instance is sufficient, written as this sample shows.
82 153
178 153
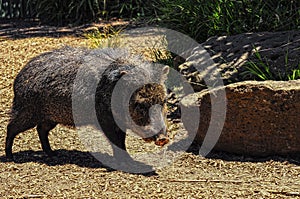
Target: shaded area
82 159
85 159
272 54
63 157
18 29
231 157
292 158
273 51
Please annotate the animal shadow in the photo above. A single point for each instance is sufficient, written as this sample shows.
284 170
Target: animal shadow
214 154
79 158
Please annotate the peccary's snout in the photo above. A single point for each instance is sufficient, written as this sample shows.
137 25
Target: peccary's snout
149 112
159 119
159 139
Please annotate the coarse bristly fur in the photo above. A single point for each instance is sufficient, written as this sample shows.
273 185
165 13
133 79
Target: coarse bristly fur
50 85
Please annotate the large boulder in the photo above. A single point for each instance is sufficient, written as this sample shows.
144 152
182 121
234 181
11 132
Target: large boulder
262 118
278 50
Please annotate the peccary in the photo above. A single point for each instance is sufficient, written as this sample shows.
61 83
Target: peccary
49 87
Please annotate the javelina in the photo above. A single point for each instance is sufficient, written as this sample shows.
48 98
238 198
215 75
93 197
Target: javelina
51 85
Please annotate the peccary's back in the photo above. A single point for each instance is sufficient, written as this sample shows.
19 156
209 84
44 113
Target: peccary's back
45 84
49 74
62 84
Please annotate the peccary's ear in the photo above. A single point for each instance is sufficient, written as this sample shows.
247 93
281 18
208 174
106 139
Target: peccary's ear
164 73
123 72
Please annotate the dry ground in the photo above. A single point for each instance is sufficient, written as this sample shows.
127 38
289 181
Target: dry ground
74 173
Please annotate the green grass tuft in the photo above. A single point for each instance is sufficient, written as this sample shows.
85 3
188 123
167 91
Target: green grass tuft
108 37
261 70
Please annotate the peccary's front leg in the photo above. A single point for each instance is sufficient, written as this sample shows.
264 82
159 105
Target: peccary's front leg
117 139
116 136
123 160
43 131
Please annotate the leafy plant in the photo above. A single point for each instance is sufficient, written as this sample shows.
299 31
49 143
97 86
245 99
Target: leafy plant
295 74
109 37
261 70
61 12
159 53
201 19
162 56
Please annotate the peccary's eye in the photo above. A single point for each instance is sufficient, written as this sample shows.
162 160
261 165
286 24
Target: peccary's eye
143 105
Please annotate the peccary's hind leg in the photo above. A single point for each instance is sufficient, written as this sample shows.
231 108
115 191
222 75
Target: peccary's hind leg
43 131
17 124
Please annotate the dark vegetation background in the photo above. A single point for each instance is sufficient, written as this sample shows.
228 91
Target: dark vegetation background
197 18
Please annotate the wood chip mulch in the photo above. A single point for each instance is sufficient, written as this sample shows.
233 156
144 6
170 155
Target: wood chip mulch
74 173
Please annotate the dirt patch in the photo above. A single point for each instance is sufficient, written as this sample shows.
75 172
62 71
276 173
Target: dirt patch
74 173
